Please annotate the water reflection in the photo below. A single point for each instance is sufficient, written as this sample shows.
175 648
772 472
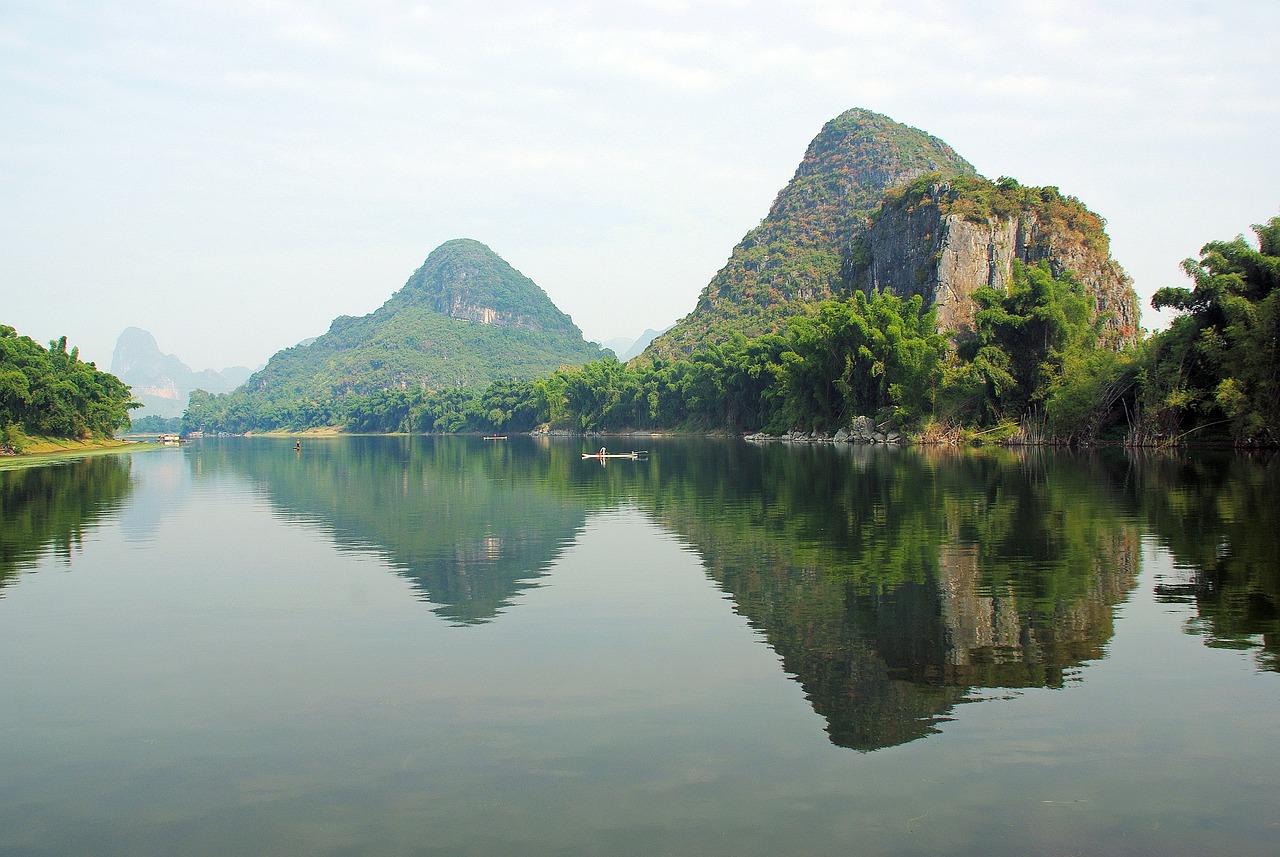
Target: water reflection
161 489
470 525
1219 515
51 507
893 584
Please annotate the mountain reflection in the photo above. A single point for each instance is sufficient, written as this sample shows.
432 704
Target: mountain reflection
50 507
469 525
892 584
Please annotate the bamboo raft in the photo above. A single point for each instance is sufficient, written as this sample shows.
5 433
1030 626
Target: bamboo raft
603 454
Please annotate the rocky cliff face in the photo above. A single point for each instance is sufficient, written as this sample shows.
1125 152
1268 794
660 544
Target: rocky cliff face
921 244
878 204
794 256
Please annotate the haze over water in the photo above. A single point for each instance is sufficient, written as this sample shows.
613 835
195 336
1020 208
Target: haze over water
391 645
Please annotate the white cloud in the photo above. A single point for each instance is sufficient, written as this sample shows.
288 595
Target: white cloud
409 60
314 33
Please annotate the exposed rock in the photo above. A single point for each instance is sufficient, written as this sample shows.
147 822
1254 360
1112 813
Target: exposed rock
863 430
918 247
849 219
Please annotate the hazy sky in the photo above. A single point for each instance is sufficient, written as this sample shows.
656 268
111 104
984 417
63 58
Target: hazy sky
233 175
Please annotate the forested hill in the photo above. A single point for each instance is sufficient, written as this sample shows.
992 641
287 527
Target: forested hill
879 206
464 319
795 257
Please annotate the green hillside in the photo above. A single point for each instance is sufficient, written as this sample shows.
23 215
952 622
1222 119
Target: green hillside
464 319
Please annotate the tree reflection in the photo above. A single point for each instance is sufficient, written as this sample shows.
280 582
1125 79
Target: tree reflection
49 508
893 583
1219 515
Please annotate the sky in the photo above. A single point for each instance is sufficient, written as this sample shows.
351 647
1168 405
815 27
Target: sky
233 175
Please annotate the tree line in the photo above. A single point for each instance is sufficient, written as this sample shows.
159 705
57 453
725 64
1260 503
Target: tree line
52 393
1030 369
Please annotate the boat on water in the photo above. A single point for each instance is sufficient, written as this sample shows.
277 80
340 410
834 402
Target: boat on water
495 437
604 453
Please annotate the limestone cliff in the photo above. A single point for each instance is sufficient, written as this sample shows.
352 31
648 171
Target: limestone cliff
794 257
878 204
945 238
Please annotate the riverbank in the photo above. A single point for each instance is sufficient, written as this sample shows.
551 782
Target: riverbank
322 431
39 450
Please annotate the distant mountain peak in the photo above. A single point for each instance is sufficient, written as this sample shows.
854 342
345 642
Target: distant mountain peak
162 382
465 280
137 347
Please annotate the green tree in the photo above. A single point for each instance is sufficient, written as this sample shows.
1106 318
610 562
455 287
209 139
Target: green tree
1218 364
862 356
1034 350
52 392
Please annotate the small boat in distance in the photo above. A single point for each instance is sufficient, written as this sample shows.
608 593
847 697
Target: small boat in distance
495 437
604 453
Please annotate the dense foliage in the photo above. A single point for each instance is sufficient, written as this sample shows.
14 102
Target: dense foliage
52 393
1216 371
1031 369
156 425
1033 357
876 355
412 347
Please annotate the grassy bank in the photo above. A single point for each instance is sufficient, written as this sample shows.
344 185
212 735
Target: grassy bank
319 431
38 450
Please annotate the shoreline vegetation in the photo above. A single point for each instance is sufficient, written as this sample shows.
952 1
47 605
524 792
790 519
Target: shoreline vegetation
1033 369
52 402
1005 435
1008 436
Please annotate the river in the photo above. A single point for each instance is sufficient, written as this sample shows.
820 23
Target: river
419 645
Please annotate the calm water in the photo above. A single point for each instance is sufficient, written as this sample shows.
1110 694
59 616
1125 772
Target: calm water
450 646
